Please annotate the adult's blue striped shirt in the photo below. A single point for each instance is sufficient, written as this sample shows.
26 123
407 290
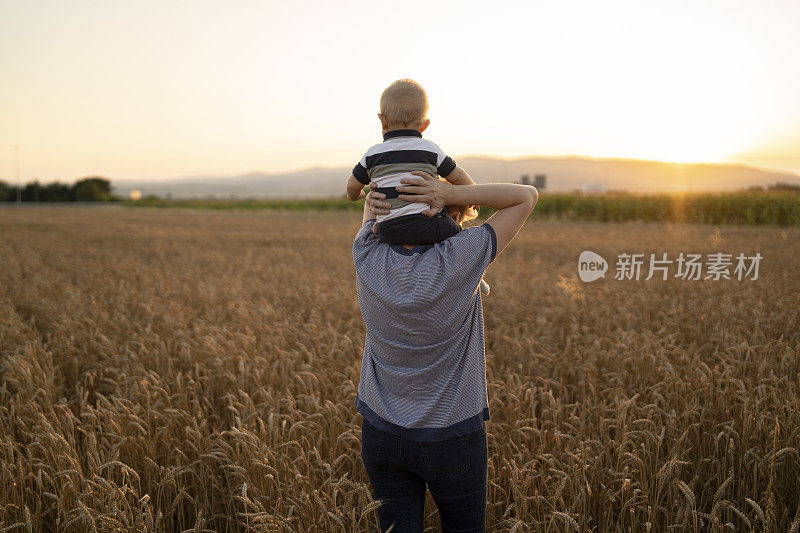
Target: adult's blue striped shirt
423 370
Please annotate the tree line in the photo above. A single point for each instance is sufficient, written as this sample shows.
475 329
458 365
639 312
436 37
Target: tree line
90 189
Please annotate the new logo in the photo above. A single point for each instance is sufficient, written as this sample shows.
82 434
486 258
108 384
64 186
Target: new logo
591 266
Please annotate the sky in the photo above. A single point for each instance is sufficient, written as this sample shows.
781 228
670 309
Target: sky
148 90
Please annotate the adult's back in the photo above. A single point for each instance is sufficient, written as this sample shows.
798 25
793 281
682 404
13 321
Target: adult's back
423 369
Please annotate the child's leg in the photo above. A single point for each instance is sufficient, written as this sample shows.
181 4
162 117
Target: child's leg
485 287
418 229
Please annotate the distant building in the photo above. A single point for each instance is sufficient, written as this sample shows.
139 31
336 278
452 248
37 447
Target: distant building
539 180
135 195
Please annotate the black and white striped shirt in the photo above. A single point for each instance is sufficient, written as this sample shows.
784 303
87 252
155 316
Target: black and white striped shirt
402 151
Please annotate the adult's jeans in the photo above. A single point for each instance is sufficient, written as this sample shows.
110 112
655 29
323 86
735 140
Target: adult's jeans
400 470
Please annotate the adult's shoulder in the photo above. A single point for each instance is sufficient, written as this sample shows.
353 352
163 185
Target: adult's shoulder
365 233
457 264
364 241
479 240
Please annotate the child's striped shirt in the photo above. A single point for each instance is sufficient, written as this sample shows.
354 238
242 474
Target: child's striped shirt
385 164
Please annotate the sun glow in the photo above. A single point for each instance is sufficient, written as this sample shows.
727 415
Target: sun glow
264 86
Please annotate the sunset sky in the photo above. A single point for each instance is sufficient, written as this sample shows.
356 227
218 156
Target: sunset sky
165 89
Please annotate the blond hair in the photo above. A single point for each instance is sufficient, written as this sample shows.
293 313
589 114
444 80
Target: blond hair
468 212
404 103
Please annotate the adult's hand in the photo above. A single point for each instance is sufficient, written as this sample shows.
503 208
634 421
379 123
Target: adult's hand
376 206
426 189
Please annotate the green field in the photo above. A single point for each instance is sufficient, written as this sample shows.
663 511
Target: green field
759 208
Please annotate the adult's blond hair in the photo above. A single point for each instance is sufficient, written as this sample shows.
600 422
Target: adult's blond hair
404 103
468 212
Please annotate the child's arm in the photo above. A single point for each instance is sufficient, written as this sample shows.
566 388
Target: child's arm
355 189
459 176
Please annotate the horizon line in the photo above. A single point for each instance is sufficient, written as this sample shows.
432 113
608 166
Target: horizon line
505 159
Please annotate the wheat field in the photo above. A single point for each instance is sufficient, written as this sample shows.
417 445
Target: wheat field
170 370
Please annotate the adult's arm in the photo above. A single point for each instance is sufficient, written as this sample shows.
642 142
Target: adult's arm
514 202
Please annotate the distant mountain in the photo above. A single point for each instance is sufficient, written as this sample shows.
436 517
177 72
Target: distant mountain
310 183
562 174
569 173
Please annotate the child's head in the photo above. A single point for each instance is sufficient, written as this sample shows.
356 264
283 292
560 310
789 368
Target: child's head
404 105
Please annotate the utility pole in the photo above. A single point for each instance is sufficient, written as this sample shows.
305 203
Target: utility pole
19 183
